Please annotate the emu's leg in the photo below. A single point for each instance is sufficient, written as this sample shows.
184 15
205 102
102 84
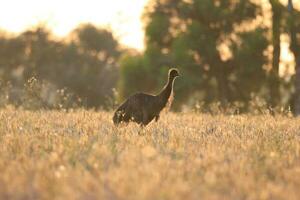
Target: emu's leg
145 120
156 118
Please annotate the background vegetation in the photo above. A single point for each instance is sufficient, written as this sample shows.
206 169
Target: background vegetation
227 51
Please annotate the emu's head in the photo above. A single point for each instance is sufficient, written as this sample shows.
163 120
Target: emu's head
173 73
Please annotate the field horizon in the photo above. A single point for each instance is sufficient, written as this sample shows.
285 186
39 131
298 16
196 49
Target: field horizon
82 155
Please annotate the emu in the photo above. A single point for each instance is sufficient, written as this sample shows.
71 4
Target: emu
143 108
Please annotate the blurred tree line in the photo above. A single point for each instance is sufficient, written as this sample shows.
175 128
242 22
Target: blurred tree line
82 70
224 49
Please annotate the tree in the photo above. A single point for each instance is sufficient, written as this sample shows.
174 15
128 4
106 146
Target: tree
210 42
274 79
86 65
294 29
90 61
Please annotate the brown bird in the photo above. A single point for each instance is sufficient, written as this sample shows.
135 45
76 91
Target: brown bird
143 108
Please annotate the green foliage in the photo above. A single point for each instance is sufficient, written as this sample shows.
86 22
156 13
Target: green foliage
218 56
156 29
92 39
86 65
132 75
248 60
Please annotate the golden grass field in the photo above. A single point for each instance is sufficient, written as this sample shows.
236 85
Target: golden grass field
81 155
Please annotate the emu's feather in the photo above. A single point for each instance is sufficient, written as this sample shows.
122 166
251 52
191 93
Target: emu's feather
143 108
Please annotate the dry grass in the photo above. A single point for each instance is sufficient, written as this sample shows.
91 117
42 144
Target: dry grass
81 155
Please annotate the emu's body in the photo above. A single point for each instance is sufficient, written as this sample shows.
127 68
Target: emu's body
143 108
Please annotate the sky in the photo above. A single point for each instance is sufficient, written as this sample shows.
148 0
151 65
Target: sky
123 17
62 16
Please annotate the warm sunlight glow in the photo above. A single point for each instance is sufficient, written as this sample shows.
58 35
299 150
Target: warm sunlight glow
287 60
122 16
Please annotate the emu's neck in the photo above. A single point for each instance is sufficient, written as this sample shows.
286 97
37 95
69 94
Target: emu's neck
164 95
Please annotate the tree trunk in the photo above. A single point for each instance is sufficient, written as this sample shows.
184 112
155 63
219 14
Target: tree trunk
297 86
274 82
294 46
223 85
